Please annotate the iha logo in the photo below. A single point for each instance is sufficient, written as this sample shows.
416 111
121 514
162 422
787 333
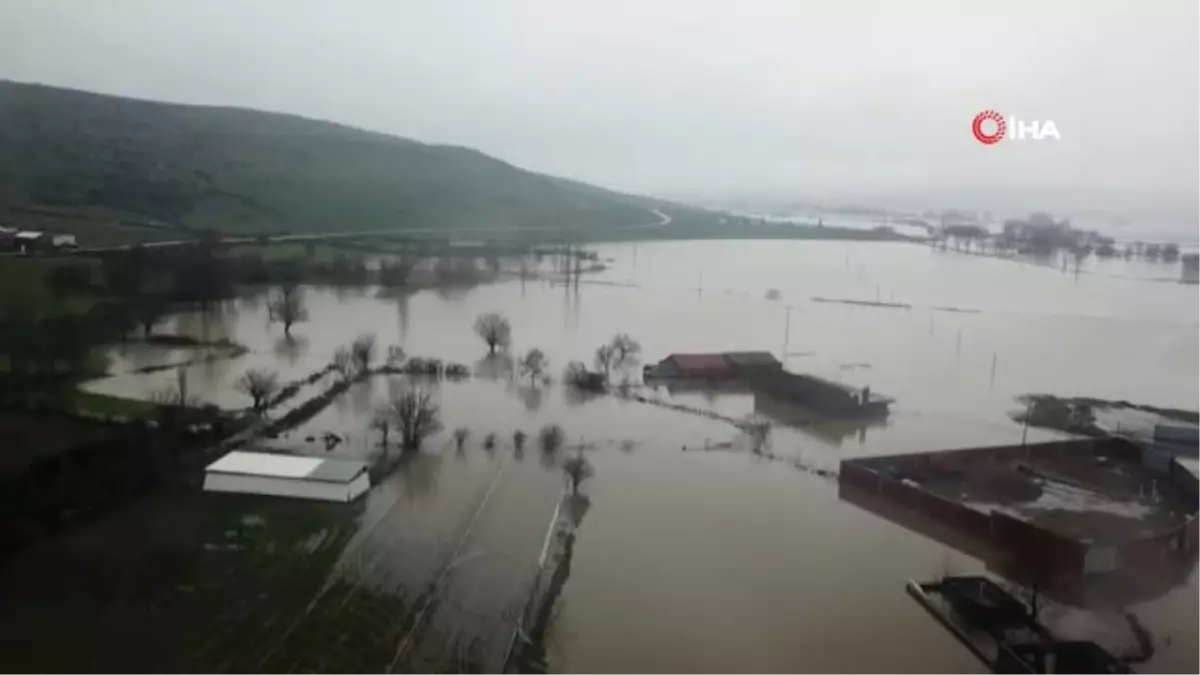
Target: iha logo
990 127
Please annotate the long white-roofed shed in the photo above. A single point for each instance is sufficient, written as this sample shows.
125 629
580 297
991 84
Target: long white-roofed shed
265 473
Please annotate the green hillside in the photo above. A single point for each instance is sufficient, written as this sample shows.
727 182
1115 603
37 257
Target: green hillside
81 161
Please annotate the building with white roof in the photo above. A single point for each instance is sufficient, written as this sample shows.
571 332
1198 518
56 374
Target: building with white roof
265 473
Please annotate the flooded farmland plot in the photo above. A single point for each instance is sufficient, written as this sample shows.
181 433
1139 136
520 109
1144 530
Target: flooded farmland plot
694 552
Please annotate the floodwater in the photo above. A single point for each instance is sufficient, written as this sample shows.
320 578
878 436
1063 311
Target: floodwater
694 554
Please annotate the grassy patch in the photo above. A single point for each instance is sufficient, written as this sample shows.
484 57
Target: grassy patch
23 282
104 405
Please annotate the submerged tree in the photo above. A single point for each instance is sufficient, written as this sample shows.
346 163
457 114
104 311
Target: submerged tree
460 437
579 377
494 329
551 438
577 470
416 415
343 363
259 384
518 440
534 364
288 307
395 356
625 349
758 428
362 352
605 359
381 421
148 309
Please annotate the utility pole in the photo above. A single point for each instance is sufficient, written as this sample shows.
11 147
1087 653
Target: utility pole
787 332
1025 427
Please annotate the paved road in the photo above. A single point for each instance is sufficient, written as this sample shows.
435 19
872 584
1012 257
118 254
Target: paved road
663 219
430 584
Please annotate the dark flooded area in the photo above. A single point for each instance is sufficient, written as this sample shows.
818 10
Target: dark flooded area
694 552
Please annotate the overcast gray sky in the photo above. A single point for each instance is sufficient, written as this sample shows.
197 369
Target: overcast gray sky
819 100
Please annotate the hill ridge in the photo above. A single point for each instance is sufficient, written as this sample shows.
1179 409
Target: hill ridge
243 170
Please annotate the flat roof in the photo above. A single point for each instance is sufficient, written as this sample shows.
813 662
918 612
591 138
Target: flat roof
699 361
752 358
1191 464
1091 490
276 465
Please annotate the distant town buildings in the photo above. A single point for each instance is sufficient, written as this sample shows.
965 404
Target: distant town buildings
64 242
31 241
28 241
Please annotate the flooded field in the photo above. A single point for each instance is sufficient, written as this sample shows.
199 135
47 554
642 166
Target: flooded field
695 554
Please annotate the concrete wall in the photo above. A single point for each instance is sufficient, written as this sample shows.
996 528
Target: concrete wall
1023 541
1005 453
286 487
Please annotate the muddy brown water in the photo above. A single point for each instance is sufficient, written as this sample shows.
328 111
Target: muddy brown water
708 560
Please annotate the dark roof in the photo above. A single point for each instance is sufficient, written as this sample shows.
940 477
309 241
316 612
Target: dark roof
699 362
752 358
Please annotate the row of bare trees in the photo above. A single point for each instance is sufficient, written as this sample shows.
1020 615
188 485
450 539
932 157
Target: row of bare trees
619 353
577 468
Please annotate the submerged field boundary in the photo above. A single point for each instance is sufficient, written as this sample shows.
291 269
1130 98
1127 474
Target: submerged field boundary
520 637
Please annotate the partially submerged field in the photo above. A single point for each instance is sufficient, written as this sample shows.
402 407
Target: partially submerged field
427 570
693 552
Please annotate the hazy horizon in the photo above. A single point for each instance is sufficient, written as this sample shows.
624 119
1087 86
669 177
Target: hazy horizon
854 102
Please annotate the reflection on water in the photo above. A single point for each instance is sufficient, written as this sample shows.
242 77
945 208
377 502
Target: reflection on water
1110 590
210 324
1023 315
289 348
832 432
498 366
418 473
531 395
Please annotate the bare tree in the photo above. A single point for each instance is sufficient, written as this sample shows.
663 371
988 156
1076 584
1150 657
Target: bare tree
362 350
259 384
605 359
149 310
175 404
381 421
576 373
579 377
626 349
758 428
489 441
395 355
534 364
551 437
416 415
494 329
519 440
288 307
343 363
577 470
460 437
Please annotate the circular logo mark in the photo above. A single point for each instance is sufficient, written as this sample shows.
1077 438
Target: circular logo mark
981 135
